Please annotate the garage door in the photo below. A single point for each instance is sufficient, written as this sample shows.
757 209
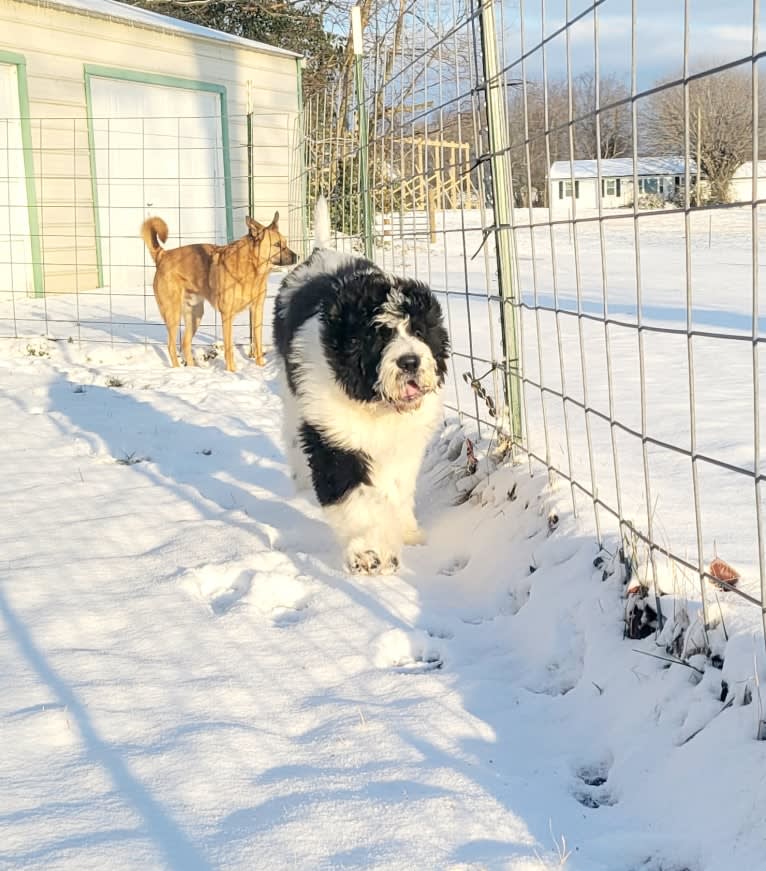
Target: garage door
16 273
158 151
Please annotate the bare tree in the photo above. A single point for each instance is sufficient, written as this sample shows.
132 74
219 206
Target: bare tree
540 122
719 122
608 133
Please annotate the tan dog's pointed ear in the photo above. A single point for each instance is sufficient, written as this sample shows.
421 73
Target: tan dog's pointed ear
254 226
275 221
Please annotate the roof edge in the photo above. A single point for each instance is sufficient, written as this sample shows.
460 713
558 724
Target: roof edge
647 166
164 24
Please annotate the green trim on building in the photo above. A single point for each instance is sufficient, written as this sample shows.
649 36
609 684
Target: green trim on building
20 62
93 71
302 191
94 180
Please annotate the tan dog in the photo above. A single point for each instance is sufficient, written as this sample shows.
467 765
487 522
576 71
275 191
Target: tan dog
230 277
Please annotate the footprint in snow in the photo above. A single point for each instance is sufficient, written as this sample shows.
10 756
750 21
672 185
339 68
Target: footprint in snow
269 585
454 566
223 601
407 652
436 632
591 787
220 586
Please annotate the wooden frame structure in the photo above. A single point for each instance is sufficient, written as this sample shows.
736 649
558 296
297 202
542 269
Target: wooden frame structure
408 173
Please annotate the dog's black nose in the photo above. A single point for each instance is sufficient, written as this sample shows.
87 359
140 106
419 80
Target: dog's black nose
408 362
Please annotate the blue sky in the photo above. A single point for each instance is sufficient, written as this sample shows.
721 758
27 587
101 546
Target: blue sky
717 30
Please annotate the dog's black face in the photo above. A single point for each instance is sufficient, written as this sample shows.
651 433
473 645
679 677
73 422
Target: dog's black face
384 338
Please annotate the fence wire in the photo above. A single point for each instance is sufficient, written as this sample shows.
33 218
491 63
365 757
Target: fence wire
589 214
72 263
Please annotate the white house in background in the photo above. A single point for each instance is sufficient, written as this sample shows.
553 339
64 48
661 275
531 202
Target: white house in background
578 181
741 186
109 112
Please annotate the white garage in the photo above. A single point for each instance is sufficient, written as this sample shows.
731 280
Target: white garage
159 148
130 113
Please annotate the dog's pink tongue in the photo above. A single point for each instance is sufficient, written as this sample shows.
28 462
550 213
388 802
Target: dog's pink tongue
411 390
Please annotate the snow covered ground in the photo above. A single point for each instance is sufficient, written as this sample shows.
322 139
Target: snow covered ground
190 680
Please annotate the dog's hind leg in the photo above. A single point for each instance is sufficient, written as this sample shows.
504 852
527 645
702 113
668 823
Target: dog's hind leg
404 499
171 314
193 310
228 344
256 322
397 480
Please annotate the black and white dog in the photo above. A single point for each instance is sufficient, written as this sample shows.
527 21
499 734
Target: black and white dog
364 355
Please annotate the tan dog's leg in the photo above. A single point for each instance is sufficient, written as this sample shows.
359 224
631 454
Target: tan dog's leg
172 333
171 314
256 323
192 318
228 345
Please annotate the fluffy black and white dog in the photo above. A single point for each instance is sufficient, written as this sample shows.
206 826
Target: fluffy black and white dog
363 356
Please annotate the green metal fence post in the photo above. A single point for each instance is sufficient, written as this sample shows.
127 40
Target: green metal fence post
364 145
500 167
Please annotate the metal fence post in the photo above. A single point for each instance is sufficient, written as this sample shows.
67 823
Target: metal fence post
500 168
364 145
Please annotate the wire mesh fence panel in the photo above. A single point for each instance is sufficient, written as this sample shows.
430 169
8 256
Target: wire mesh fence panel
643 322
588 209
73 264
420 87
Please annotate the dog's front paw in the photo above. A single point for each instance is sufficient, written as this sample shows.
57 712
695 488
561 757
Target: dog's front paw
368 562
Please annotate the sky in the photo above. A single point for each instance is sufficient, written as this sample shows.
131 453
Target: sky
718 32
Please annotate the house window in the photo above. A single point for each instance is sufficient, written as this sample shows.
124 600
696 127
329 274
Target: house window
565 189
651 185
679 181
610 187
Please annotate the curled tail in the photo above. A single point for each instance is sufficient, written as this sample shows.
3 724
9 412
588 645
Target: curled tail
322 229
154 231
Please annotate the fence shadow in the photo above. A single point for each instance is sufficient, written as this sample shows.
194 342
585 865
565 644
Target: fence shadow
199 464
167 835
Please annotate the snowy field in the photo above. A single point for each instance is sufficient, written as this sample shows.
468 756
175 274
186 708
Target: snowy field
191 682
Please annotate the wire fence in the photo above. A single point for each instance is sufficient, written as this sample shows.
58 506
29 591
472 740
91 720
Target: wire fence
76 191
589 213
587 208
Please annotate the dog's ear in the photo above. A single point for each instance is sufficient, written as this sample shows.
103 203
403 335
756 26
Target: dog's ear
253 225
275 221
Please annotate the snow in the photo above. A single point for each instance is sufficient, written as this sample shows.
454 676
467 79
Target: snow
191 681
